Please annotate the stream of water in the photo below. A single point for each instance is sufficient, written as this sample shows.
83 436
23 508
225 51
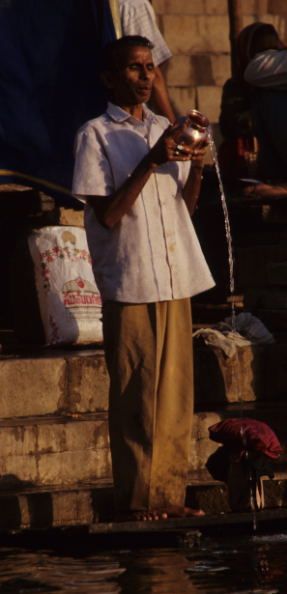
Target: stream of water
228 235
226 221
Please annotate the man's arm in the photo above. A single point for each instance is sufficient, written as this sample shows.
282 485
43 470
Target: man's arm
261 190
110 209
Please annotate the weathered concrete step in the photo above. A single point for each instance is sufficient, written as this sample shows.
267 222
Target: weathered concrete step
212 496
67 449
36 509
254 373
55 450
189 530
59 382
91 505
77 381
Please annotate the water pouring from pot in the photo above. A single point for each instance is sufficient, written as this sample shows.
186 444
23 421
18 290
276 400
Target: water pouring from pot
195 130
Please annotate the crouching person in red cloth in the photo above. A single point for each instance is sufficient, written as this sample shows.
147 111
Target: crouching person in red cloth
249 450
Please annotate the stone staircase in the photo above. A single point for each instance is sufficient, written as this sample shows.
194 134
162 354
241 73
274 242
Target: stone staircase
55 466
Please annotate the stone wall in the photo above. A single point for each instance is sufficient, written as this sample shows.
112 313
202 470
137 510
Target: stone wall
197 32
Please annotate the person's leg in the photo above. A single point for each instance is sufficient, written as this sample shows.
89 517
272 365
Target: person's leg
173 406
129 336
149 357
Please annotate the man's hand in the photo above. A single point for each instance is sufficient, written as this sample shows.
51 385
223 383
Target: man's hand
168 149
198 155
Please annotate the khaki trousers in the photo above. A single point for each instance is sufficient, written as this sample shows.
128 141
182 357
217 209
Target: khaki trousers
149 358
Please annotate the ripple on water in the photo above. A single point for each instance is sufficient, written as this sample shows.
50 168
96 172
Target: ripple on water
243 566
25 572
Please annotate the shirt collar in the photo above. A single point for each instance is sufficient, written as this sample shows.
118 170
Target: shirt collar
118 114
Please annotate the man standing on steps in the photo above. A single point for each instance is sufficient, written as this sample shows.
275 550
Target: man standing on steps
141 187
138 18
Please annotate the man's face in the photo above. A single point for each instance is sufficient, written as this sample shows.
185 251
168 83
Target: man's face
132 83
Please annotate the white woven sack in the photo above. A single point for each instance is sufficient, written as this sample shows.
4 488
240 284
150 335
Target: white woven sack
69 300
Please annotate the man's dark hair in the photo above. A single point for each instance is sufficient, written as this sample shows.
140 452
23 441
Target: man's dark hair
114 53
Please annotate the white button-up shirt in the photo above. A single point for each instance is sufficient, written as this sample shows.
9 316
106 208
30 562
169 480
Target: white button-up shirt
153 254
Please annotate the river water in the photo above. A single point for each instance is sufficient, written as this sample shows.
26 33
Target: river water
215 565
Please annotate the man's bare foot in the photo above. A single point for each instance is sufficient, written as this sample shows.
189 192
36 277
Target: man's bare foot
157 515
185 512
190 511
141 516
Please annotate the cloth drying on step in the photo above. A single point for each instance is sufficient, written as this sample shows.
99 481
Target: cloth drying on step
228 342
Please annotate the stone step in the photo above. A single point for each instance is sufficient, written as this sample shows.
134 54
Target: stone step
63 450
76 381
254 373
53 382
212 496
91 505
55 450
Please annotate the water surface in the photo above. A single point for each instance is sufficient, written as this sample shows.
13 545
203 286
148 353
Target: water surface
216 565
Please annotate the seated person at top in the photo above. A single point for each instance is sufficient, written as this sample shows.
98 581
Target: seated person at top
141 187
252 117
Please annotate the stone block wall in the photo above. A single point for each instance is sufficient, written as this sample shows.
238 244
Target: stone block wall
197 32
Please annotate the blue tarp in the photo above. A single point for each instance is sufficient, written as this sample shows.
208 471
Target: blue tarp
49 85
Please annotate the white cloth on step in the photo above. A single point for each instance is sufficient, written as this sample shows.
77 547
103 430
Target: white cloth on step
228 342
